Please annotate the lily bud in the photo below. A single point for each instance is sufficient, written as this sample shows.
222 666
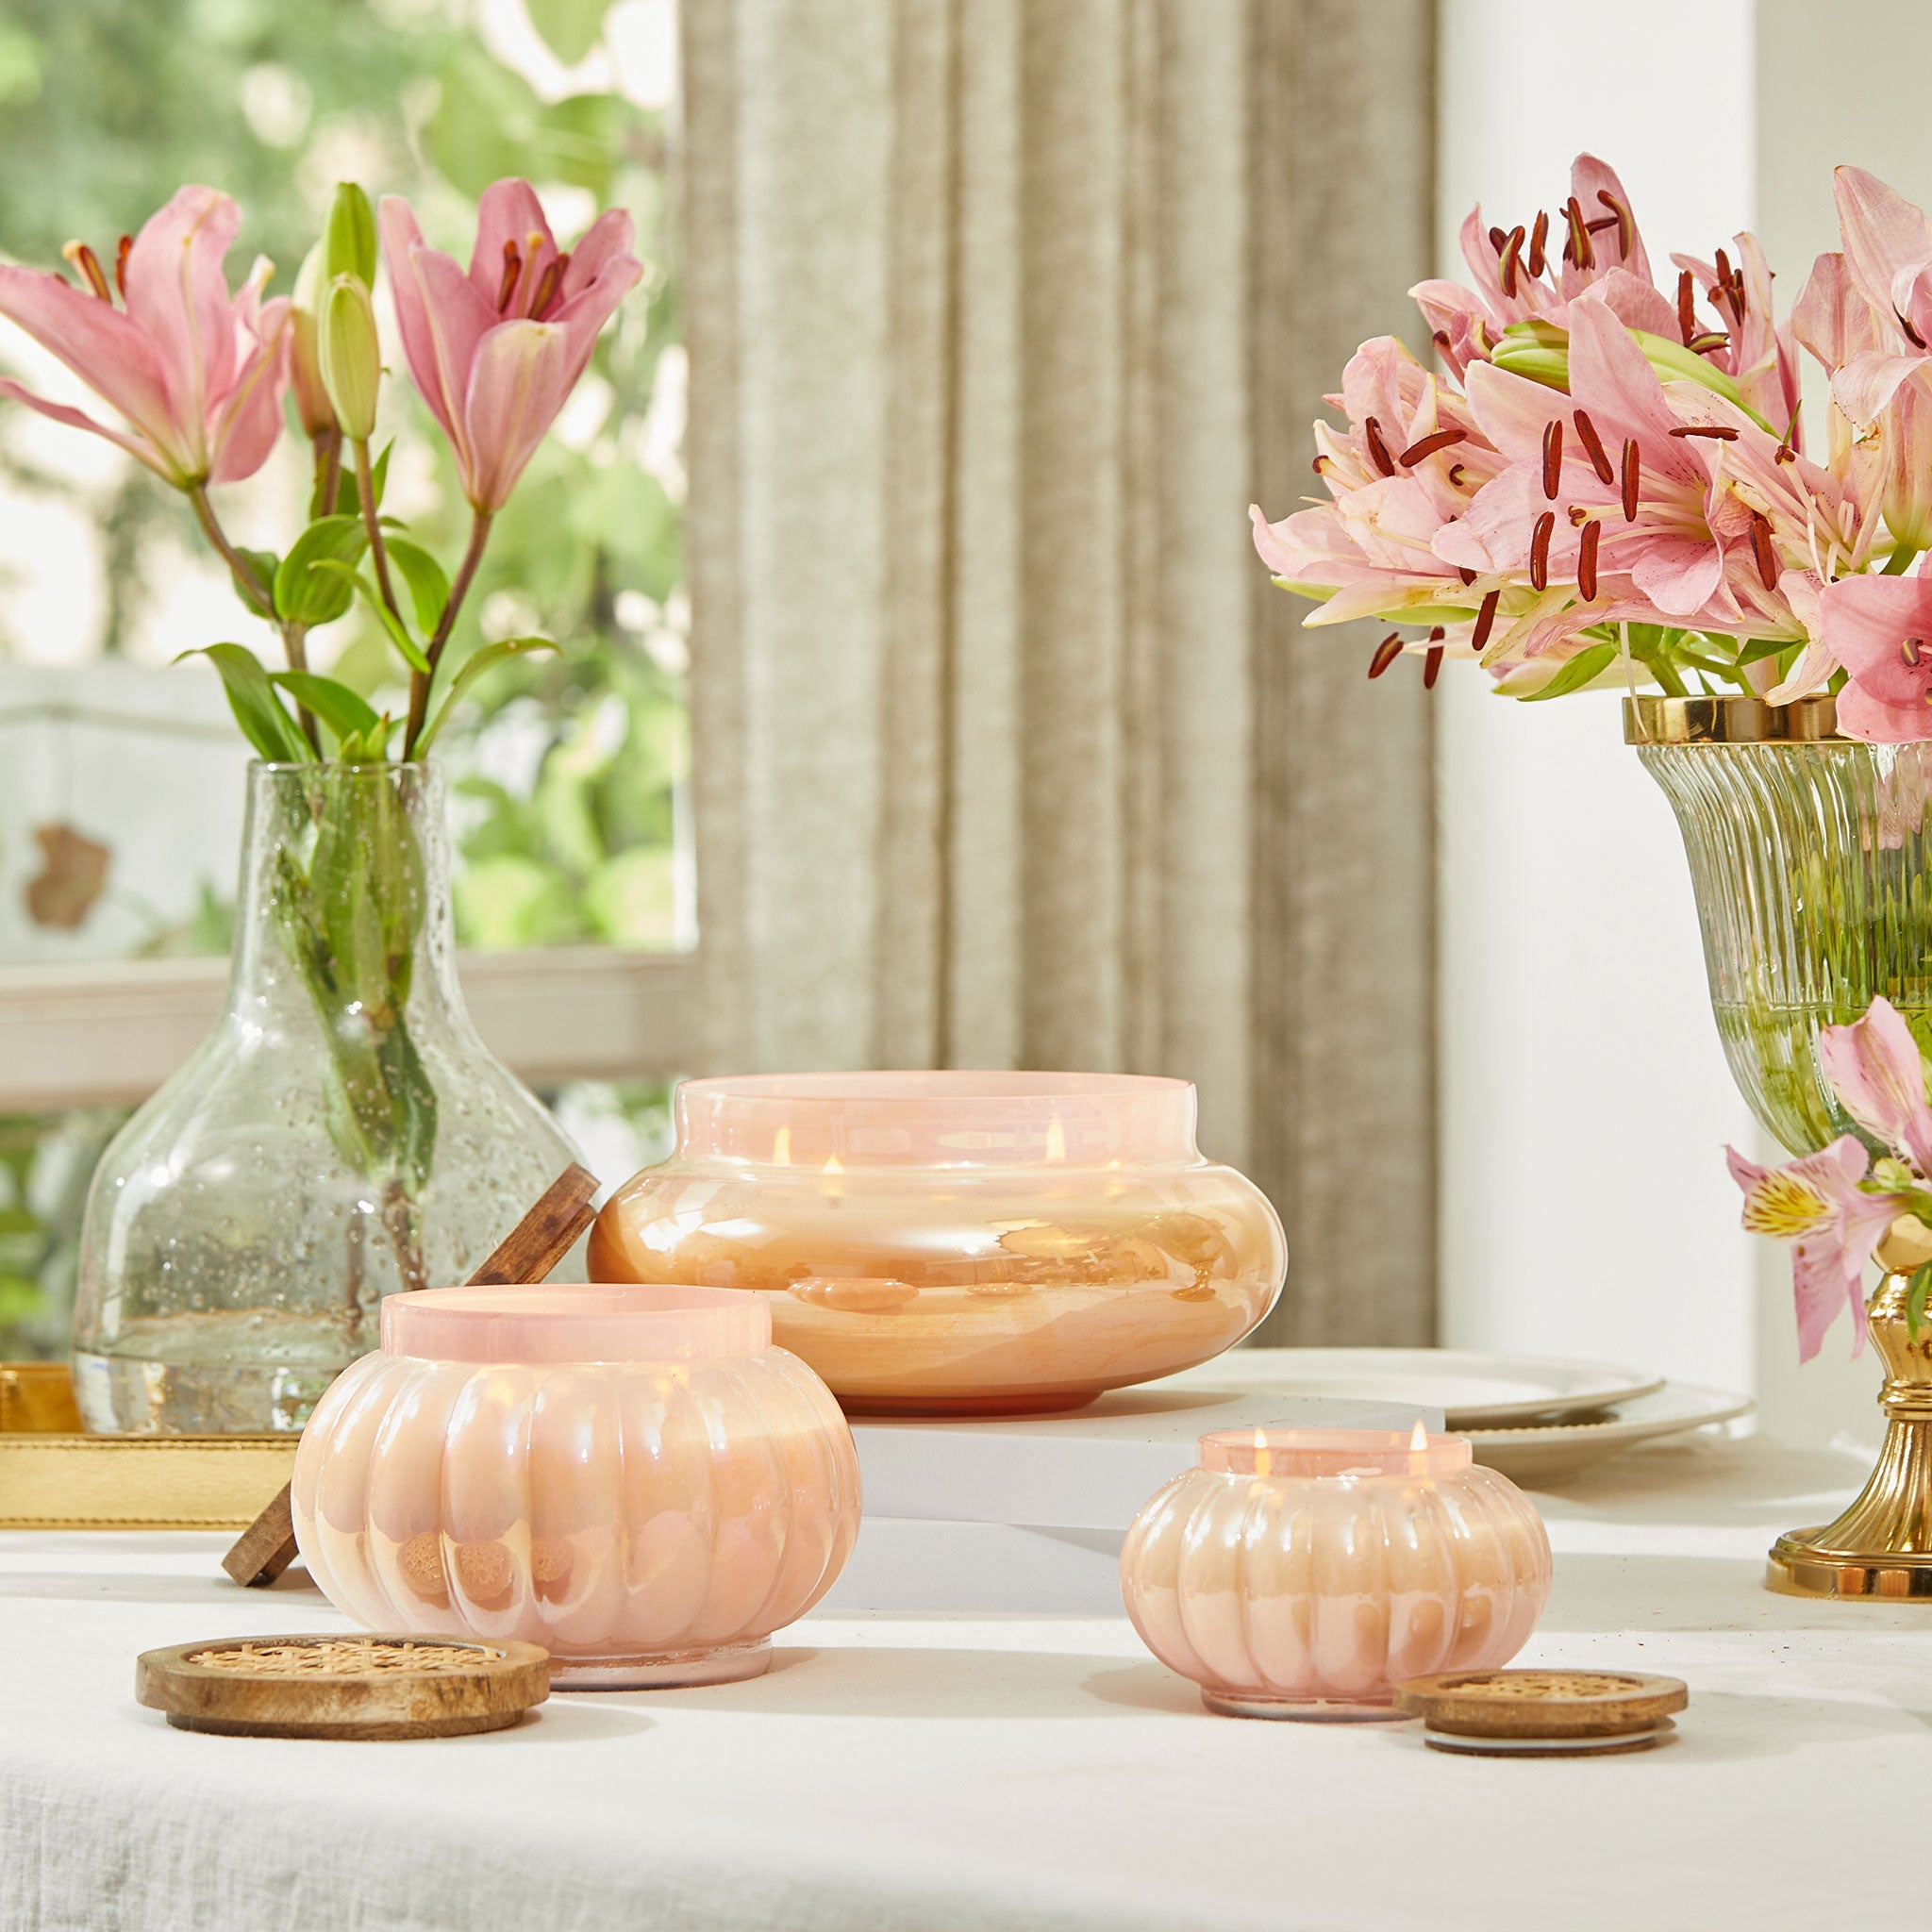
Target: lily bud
351 355
348 242
304 358
1539 351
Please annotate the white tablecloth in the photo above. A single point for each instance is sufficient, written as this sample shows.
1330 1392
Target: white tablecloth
943 1775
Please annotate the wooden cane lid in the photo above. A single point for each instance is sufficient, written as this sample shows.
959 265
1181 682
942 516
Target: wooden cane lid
344 1686
1546 1705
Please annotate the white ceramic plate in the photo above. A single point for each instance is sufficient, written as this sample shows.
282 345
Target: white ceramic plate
1473 1390
1549 1454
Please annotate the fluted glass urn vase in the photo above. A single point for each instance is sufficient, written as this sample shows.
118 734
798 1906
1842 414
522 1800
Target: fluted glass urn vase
1811 860
342 1133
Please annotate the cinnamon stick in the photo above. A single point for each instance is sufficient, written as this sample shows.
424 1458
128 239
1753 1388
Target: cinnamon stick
531 1249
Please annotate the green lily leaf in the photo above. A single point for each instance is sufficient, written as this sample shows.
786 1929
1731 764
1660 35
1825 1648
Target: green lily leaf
265 565
1915 1298
1579 671
306 595
424 576
348 714
473 666
252 698
398 633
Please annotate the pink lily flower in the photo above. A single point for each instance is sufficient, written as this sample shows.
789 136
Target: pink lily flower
1757 354
1880 630
1409 461
1697 513
1818 1204
1888 264
496 352
196 374
1876 1069
1533 273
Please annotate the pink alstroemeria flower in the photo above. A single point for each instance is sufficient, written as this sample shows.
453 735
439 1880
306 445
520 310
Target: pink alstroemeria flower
1880 630
1817 1204
1876 1069
196 374
496 352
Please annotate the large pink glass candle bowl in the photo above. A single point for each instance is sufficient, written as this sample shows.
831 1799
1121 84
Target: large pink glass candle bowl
957 1243
634 1478
1304 1573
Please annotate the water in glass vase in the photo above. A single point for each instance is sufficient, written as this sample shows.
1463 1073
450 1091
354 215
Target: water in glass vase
341 1134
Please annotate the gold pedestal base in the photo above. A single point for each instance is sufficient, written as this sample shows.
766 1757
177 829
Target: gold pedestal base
1881 1547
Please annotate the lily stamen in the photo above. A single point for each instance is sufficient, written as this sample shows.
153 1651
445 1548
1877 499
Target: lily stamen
1626 226
1593 447
512 269
1540 551
1553 456
1386 653
1763 550
83 258
121 255
1485 620
1633 465
1537 236
548 285
1378 450
1586 560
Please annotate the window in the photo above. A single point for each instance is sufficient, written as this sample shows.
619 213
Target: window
575 887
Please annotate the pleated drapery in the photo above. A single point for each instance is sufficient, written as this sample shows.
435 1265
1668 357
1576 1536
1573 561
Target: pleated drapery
1000 313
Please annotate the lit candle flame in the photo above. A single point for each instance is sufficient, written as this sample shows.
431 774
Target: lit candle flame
1055 1140
781 1148
1265 1462
1419 1441
833 1164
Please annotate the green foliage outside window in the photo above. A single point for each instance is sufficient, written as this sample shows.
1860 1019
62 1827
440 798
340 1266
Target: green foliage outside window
567 770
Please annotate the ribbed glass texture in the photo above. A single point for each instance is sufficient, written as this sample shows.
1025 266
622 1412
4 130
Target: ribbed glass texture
1311 1592
615 1513
1811 867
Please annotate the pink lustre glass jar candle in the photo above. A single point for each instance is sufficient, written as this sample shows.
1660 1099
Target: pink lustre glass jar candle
634 1478
967 1243
1304 1573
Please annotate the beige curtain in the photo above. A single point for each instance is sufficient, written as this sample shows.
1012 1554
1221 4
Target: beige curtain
1001 311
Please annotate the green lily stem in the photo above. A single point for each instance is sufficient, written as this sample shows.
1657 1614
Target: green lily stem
421 683
252 585
1900 560
293 636
378 550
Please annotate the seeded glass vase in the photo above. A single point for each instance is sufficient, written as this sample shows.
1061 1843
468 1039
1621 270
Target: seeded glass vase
1811 860
342 1133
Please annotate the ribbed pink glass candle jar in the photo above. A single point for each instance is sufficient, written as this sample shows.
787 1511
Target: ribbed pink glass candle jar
634 1478
1304 1573
957 1242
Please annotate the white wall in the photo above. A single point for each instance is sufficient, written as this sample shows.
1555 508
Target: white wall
1585 1097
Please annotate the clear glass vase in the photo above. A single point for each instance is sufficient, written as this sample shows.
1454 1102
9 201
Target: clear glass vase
1813 865
342 1133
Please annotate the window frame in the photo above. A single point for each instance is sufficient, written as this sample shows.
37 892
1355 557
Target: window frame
108 1034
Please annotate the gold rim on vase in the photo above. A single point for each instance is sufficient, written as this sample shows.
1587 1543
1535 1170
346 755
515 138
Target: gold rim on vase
1730 719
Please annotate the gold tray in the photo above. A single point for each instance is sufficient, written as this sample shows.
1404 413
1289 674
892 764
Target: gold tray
52 1476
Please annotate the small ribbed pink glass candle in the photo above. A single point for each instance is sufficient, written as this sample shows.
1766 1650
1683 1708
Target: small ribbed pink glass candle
1304 1573
633 1477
